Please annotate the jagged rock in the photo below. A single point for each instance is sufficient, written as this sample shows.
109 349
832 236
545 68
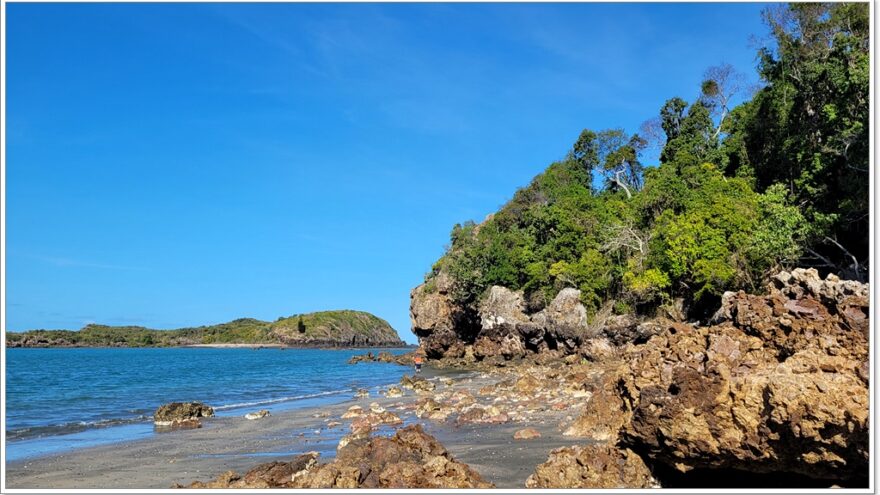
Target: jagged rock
597 349
257 415
502 308
181 414
434 317
428 408
526 434
360 358
267 475
393 392
775 386
409 459
623 329
372 420
404 359
353 412
478 414
605 413
362 393
593 466
565 318
417 383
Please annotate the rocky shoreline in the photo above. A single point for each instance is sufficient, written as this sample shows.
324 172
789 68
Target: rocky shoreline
771 392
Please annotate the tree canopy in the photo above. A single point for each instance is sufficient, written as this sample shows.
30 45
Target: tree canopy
777 181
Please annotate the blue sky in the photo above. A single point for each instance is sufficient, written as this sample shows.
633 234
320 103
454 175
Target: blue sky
176 165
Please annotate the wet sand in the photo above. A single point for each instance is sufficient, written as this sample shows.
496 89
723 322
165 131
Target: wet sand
234 443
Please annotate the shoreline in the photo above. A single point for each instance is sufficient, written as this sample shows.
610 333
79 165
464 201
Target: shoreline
234 443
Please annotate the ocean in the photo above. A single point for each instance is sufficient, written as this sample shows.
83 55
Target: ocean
62 399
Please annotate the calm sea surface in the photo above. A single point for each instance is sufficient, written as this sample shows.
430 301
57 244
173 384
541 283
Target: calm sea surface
61 399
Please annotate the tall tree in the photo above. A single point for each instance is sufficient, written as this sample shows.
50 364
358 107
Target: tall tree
807 128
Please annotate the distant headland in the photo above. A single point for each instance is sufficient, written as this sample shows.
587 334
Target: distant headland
342 328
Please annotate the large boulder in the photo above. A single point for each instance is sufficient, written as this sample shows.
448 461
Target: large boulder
778 384
502 309
564 320
592 466
409 459
181 414
436 320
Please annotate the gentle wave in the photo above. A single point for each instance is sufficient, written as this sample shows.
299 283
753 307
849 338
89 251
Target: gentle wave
281 399
65 428
74 427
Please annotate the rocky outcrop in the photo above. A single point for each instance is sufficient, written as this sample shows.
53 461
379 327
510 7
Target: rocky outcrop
268 475
500 330
409 459
182 414
405 359
417 384
779 383
605 411
593 466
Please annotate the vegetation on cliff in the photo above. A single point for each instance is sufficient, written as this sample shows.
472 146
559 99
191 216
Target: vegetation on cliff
778 181
323 328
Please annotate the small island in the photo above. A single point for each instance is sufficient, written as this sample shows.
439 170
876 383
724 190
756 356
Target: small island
341 328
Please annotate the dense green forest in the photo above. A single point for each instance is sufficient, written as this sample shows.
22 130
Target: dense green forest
323 328
777 181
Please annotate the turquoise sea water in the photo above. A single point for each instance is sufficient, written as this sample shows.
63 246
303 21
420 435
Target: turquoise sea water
61 399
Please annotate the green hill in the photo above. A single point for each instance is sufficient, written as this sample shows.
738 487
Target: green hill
343 328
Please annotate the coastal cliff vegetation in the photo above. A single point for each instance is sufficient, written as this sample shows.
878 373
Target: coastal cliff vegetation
323 328
739 192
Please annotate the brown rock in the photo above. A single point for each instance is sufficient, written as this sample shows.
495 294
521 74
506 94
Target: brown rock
409 459
594 466
526 434
176 413
753 394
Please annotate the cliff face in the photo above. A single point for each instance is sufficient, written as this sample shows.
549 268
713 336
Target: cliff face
344 328
502 328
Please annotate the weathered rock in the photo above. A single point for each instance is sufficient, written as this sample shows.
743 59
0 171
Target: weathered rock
257 415
526 434
500 313
404 359
417 383
362 393
393 392
435 318
372 420
605 413
775 386
353 412
409 459
502 308
267 475
180 414
564 319
593 466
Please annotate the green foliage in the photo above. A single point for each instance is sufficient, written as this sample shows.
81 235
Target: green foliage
807 128
739 192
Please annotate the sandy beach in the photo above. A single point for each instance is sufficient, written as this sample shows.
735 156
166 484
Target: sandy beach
234 443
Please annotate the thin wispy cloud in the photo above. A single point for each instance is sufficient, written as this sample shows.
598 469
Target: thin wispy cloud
69 262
